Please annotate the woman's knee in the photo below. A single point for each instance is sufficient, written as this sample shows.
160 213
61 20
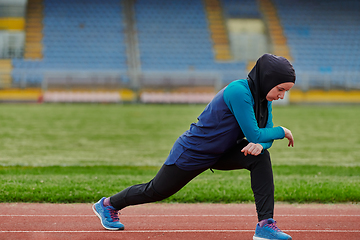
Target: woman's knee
262 160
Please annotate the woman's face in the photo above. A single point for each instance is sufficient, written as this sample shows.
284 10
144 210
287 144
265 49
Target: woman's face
279 91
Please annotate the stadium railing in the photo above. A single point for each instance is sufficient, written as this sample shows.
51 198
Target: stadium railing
82 79
306 80
340 80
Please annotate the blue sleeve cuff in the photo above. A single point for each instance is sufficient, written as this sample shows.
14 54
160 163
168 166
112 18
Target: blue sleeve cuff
266 145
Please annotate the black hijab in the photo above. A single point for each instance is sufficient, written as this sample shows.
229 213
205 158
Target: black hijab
269 71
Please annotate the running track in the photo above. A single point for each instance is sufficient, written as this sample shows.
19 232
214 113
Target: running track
177 221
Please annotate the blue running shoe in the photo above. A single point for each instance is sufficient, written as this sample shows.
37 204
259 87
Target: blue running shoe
109 216
270 231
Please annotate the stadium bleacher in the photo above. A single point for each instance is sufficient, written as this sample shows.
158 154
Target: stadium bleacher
173 36
78 35
84 35
324 39
91 37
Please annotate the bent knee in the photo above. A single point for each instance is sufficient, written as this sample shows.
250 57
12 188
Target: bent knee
261 159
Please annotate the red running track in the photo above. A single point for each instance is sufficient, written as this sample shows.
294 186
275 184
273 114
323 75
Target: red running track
177 221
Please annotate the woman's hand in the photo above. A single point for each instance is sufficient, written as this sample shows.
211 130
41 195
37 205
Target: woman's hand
252 148
289 136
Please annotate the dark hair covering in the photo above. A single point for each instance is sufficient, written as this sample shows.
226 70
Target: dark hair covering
269 71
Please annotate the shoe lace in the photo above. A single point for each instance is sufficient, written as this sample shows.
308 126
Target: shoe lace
114 214
273 226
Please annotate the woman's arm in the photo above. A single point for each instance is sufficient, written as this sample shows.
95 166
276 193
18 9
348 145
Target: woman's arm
240 102
269 124
256 149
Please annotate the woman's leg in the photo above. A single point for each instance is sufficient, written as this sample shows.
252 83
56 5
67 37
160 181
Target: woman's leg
169 180
262 182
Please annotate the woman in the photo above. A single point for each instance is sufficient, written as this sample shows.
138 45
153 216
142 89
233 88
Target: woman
233 132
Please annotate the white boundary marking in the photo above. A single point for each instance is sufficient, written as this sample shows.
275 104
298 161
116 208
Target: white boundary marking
183 215
183 231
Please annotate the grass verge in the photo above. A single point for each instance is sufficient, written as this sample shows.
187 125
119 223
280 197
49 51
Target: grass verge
142 135
55 184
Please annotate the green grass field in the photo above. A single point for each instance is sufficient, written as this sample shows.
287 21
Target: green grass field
81 152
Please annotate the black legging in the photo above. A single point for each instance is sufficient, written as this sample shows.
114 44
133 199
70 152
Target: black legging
170 179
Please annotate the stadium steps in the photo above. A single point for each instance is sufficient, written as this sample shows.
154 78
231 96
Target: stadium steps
280 47
218 30
33 30
5 73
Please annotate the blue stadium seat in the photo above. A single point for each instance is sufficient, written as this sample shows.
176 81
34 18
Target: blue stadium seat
323 36
241 8
182 42
78 36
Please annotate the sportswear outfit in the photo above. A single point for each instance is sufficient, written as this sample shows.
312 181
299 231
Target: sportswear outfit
237 115
215 141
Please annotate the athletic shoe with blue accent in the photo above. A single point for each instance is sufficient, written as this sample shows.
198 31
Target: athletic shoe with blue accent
269 231
109 216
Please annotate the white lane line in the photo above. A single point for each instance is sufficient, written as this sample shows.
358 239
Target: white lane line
182 215
184 231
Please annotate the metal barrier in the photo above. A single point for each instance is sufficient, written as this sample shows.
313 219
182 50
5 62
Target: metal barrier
82 79
344 80
171 80
306 80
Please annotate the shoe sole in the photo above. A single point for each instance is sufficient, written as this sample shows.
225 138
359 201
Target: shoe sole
259 238
97 214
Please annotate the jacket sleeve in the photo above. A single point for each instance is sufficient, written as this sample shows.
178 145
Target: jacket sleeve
240 102
269 124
